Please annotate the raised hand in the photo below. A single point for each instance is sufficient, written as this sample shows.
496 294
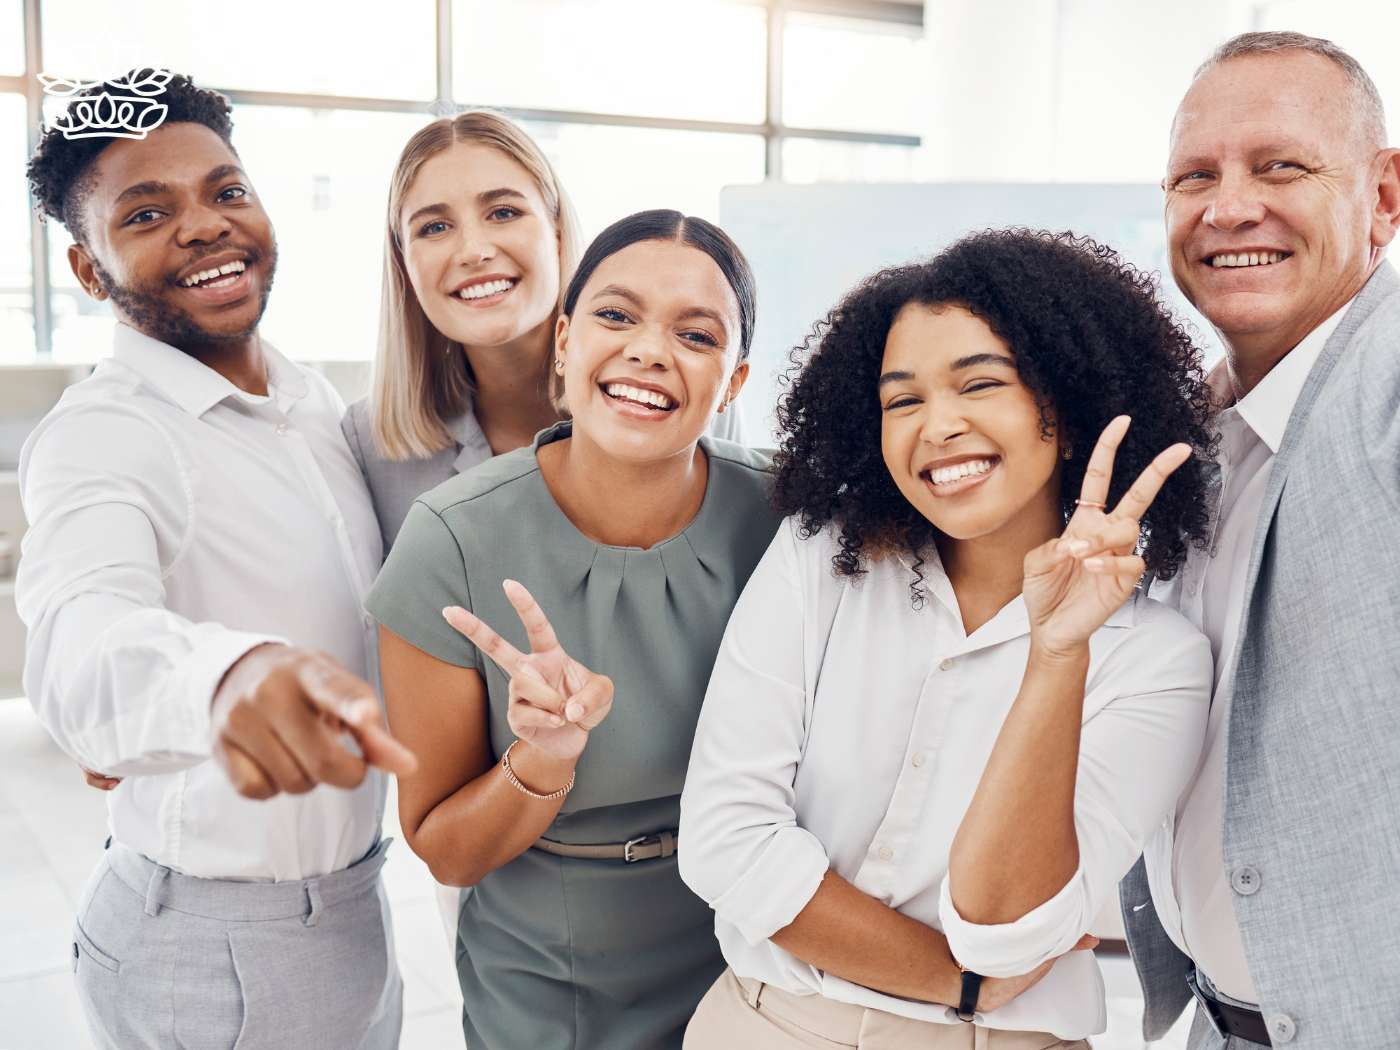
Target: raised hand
1075 583
554 700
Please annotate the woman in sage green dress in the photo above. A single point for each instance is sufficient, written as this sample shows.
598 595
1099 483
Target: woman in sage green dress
608 555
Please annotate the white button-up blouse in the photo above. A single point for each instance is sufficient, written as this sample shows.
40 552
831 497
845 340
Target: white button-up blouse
844 728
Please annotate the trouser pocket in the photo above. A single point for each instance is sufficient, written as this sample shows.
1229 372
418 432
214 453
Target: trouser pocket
125 998
84 946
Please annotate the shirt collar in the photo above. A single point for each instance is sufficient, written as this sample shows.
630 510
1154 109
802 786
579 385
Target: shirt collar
194 386
1267 407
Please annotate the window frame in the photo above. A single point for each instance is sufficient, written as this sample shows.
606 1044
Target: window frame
772 129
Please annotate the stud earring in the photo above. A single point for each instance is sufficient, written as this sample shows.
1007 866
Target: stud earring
1066 453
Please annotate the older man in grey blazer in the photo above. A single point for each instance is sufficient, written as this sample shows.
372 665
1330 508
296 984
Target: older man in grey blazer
1273 896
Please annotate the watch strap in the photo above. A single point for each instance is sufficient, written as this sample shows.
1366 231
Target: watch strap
971 989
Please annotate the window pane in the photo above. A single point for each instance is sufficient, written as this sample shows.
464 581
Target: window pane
664 58
12 37
82 326
611 172
822 160
854 75
16 293
262 45
323 176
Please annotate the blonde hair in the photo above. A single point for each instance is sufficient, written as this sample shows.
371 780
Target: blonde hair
421 379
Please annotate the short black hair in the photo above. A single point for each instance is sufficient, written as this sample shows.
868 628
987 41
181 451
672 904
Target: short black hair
663 224
61 168
1091 342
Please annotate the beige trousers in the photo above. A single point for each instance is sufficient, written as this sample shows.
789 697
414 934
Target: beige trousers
739 1012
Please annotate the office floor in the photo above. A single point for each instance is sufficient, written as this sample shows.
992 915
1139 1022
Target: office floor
51 831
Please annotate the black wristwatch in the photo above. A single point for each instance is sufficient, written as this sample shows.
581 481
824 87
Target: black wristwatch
971 988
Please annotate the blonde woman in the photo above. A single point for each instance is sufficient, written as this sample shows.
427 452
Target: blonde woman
481 239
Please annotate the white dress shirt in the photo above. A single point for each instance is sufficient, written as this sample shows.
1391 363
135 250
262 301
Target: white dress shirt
1186 861
845 729
176 522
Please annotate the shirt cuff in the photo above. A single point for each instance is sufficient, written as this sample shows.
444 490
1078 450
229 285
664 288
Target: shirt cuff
170 736
1013 948
768 896
210 661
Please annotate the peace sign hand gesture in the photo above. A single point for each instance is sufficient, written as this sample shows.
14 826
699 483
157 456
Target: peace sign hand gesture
554 699
1075 583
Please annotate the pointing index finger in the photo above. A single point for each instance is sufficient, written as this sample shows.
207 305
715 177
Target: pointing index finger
351 700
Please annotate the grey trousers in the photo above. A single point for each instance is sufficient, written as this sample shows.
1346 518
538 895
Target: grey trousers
167 961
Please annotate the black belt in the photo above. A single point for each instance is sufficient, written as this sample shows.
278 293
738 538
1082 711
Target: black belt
1228 1019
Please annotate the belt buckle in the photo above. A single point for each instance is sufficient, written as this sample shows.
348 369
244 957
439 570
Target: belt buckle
1207 1004
641 840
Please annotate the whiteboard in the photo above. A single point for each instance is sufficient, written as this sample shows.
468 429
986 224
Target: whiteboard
808 245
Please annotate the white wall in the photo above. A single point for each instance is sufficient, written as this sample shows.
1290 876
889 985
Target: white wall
1368 29
1084 90
1063 90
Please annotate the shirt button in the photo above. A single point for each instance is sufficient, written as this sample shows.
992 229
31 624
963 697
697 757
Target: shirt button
281 429
945 665
1244 880
1282 1028
918 759
886 853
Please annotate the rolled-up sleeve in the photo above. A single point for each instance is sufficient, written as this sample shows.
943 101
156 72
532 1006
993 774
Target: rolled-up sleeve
122 684
1146 710
744 852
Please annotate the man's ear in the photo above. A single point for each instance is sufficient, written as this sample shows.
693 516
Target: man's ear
80 261
1385 216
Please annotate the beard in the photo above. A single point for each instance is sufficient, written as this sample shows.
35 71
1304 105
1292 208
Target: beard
148 308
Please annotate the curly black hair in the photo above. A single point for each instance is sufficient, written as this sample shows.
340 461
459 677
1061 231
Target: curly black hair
60 172
1091 342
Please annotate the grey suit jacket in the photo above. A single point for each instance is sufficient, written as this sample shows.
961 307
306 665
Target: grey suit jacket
395 483
1312 795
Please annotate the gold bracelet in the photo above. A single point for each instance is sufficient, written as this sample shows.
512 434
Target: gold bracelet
514 780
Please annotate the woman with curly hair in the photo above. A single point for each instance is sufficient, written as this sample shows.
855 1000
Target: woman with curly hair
943 721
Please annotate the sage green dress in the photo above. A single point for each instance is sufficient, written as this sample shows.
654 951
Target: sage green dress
557 952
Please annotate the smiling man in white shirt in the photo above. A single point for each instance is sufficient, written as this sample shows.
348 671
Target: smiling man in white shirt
200 542
1271 894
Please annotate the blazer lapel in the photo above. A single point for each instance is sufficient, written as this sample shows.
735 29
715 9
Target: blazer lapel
472 446
1381 284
